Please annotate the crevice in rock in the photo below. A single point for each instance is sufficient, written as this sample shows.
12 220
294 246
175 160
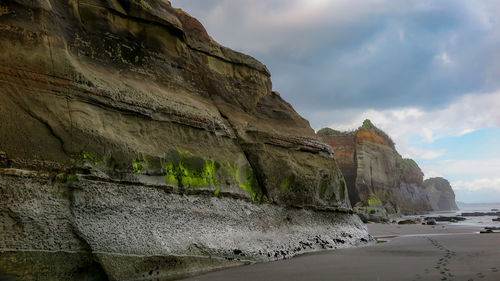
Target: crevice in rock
95 268
211 89
44 123
70 122
257 173
50 52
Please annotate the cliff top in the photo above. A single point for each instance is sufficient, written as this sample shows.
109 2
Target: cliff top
437 179
329 132
367 125
438 182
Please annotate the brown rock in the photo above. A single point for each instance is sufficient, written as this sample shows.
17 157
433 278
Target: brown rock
141 148
376 175
127 81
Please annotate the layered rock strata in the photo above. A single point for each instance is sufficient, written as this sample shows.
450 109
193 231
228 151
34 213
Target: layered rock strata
441 194
377 177
133 146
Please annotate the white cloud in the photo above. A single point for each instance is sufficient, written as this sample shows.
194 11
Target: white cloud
261 27
433 174
415 152
478 185
401 33
428 134
468 114
444 58
480 168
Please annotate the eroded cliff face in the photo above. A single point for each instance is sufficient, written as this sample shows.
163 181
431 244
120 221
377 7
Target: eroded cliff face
134 146
378 178
441 194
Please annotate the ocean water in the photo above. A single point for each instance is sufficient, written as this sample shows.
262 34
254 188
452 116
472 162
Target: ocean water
478 207
482 221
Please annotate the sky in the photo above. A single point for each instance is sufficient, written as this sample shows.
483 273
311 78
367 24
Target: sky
425 71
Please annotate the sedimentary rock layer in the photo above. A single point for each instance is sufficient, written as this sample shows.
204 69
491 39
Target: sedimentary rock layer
441 194
89 229
133 144
376 174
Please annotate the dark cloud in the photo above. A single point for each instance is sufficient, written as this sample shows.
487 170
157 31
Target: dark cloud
345 54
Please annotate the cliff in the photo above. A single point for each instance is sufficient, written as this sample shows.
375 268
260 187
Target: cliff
379 180
133 146
441 194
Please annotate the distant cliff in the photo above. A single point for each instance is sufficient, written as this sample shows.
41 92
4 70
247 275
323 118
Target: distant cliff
133 146
377 177
441 194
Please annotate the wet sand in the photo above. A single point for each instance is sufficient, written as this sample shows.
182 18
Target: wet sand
419 252
381 229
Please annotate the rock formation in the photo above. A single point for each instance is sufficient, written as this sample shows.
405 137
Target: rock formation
377 177
133 146
440 194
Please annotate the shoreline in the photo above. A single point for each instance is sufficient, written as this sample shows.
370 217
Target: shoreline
403 252
383 229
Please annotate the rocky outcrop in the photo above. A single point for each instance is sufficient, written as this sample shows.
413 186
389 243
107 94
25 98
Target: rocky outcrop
441 194
133 146
379 180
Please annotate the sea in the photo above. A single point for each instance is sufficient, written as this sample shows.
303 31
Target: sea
481 221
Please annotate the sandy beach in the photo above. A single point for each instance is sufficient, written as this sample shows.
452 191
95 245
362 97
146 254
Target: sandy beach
404 252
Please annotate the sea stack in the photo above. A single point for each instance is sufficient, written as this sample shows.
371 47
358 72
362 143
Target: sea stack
441 194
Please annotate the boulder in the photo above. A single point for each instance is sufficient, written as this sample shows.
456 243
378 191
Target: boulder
431 222
407 221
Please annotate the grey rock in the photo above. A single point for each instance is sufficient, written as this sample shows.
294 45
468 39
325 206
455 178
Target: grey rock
441 194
